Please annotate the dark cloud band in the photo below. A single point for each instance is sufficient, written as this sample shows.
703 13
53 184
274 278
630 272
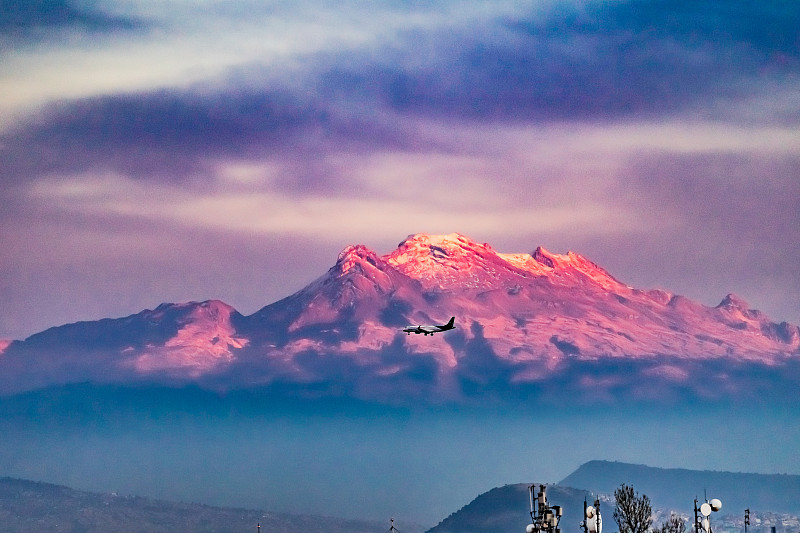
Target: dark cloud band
588 61
36 18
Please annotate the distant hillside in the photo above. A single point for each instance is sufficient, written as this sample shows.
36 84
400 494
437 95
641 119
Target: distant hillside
27 506
676 488
507 509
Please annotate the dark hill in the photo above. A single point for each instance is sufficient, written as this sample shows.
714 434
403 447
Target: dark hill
507 509
27 506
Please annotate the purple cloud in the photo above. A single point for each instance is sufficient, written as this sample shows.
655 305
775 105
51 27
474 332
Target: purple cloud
581 62
573 63
169 135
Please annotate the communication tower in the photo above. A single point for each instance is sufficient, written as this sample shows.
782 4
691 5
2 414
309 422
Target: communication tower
592 520
703 525
544 518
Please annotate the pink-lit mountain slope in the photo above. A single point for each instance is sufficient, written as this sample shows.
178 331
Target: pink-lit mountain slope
525 324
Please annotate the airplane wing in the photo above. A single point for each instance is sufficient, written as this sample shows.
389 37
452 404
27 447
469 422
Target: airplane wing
430 329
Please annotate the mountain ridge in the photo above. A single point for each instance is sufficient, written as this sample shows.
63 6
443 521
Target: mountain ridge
521 320
27 505
675 488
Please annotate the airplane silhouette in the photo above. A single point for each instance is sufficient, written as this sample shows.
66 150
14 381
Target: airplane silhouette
430 330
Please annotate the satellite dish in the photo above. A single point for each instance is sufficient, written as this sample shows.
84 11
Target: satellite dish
592 525
589 511
705 509
530 528
716 505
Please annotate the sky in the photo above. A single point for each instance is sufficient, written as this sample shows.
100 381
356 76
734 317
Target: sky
157 151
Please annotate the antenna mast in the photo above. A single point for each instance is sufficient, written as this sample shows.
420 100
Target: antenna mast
544 518
592 520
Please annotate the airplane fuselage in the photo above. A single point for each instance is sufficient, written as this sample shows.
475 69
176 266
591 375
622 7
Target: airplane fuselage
430 330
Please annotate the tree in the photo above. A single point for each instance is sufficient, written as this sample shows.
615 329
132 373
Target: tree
674 524
632 513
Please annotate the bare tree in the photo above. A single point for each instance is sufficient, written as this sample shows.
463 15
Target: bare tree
632 513
673 524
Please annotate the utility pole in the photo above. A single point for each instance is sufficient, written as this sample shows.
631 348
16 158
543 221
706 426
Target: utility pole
696 518
584 525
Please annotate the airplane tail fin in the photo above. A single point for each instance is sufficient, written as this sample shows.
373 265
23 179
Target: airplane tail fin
450 324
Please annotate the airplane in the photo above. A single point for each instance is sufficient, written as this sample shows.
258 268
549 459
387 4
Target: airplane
430 330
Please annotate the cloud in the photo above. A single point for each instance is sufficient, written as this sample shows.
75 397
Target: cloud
187 43
582 61
36 19
161 134
567 63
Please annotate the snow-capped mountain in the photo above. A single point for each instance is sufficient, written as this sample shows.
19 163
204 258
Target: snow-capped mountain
525 323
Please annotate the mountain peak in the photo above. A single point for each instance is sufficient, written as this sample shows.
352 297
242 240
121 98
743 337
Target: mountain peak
572 262
422 245
204 340
544 257
732 301
447 261
354 257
